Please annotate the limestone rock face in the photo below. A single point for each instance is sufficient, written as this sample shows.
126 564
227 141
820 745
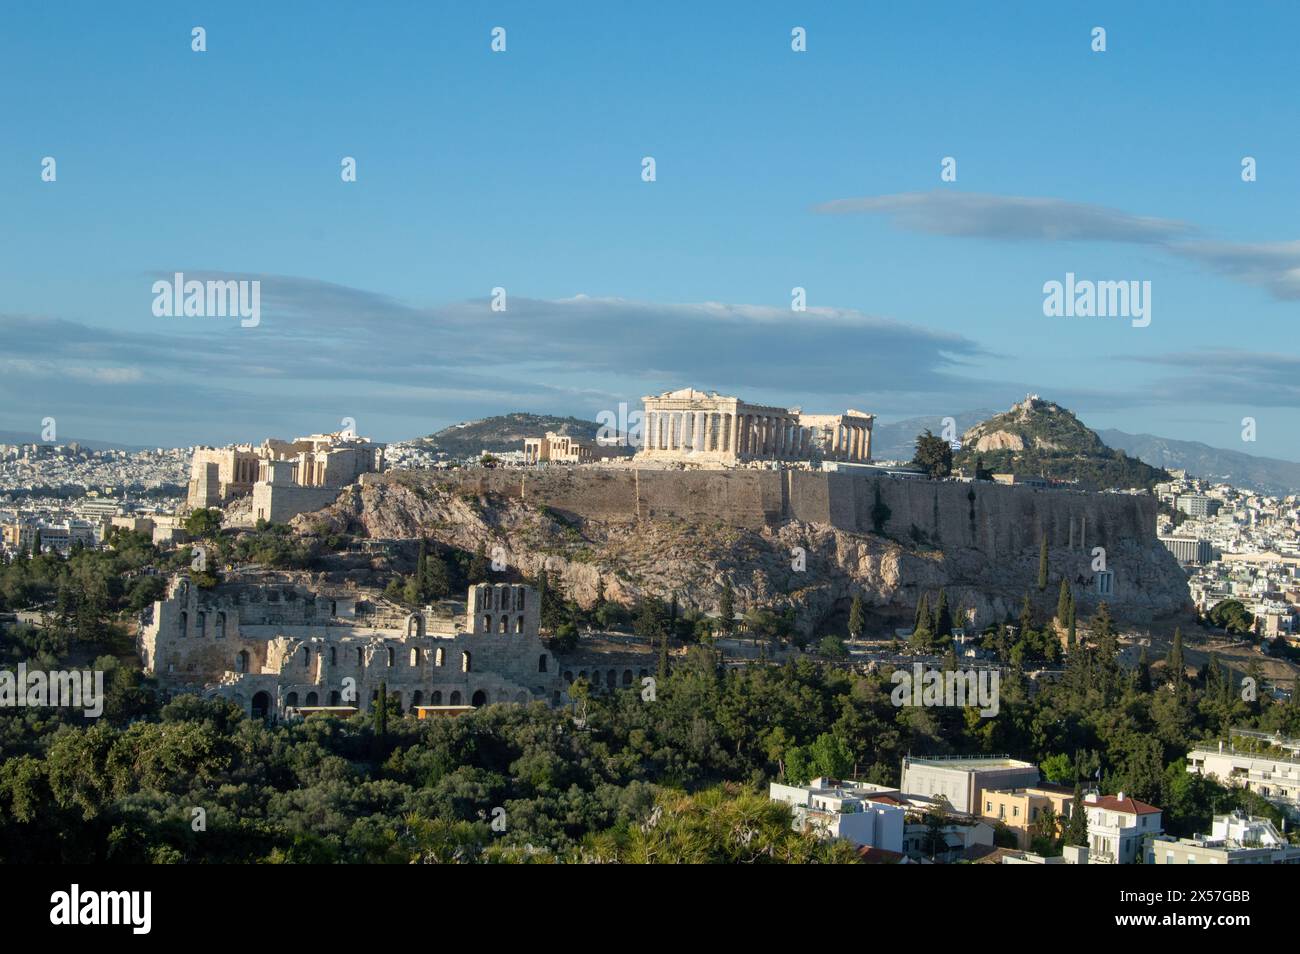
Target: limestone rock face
1000 440
983 552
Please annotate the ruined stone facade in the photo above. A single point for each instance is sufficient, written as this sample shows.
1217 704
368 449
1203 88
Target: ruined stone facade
285 478
693 427
275 649
558 449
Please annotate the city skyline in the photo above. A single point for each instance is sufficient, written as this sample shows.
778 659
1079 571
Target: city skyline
522 170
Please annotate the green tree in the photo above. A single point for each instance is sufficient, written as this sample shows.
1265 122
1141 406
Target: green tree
933 455
727 607
1042 565
855 617
203 523
1076 830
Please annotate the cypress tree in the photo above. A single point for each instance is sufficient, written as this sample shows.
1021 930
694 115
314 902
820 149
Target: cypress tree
1175 658
1076 832
922 619
855 616
1063 603
942 617
727 606
1042 565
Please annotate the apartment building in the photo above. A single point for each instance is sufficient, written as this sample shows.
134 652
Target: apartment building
834 809
1021 809
961 781
1236 839
1273 773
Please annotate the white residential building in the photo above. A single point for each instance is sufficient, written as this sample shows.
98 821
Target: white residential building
834 809
1117 827
1236 839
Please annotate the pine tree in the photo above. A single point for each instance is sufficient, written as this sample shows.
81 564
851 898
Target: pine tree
478 565
1072 636
1042 565
1026 617
855 617
1143 672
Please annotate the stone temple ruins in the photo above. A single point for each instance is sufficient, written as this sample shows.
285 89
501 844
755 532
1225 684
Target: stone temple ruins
278 650
284 478
690 426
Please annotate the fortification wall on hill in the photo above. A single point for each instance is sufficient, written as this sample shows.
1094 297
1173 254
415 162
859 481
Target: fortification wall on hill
994 519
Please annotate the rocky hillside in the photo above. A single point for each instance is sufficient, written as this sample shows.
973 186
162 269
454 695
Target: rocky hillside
1040 438
690 558
504 432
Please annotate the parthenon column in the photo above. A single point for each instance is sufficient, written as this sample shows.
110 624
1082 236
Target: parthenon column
699 431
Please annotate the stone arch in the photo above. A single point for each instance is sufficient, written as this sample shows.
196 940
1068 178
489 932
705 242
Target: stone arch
555 697
519 625
241 661
200 624
291 700
185 623
479 698
455 698
438 658
611 679
627 677
334 697
568 676
582 674
414 625
312 699
417 698
487 623
415 655
436 698
261 705
390 654
505 625
306 656
221 626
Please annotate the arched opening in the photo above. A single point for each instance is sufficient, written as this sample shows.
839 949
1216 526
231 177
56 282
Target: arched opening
519 598
465 662
436 699
568 676
487 624
455 698
201 624
519 625
417 698
291 700
479 698
391 655
185 623
415 656
505 625
555 697
611 679
627 677
312 699
241 661
261 705
306 656
221 626
334 697
541 663
334 655
438 657
361 657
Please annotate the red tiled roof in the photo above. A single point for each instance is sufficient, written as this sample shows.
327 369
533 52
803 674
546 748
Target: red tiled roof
1129 806
878 856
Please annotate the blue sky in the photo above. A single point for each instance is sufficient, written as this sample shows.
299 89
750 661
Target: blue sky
522 170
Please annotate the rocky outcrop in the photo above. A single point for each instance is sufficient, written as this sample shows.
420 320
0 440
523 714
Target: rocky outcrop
610 536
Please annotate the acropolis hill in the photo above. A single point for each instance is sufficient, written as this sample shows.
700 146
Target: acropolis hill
623 532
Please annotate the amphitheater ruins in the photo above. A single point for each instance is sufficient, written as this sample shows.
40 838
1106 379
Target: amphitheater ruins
280 650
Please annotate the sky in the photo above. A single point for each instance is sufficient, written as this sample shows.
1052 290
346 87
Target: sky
522 170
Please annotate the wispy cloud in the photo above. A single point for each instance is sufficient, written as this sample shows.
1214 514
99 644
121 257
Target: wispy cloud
1010 217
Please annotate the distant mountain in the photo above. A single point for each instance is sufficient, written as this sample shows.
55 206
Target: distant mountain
505 432
897 441
1263 474
1040 438
34 437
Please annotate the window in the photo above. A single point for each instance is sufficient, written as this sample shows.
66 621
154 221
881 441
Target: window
415 656
464 662
541 663
334 655
390 655
437 657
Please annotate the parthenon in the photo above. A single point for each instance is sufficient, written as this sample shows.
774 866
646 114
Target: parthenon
713 429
